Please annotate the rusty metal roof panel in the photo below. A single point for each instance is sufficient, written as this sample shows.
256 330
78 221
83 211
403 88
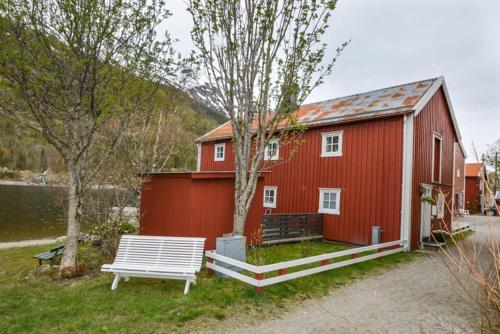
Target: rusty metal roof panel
373 104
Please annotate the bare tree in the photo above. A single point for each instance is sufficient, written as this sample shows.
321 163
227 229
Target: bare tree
262 59
73 70
475 267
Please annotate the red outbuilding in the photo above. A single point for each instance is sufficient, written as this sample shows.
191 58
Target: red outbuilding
378 158
476 196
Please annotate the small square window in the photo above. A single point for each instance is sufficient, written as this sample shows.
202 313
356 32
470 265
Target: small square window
329 201
270 194
331 144
272 150
219 152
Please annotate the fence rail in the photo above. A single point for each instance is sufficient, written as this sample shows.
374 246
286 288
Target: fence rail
291 227
282 267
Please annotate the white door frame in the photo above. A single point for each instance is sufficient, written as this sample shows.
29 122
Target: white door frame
425 211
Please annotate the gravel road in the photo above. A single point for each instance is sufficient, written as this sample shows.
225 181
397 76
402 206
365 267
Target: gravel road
418 297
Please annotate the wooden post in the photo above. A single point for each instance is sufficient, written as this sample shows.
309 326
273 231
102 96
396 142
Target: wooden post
210 272
353 256
324 262
259 289
283 271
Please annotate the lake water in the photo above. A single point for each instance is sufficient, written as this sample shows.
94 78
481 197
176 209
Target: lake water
31 212
35 212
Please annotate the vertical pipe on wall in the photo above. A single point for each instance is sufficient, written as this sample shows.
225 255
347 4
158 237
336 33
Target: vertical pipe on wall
406 186
198 157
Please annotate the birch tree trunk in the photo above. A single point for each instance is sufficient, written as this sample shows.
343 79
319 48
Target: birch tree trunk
69 258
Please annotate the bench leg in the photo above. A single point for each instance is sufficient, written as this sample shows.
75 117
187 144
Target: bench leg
186 287
115 282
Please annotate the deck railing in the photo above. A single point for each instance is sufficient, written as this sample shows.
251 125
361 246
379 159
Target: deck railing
278 228
259 272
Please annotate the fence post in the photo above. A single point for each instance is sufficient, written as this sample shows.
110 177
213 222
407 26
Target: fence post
259 289
353 256
324 262
283 271
210 272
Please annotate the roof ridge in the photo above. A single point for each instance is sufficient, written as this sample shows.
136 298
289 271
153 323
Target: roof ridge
371 91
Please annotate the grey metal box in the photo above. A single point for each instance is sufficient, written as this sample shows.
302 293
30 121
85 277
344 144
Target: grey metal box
233 246
376 235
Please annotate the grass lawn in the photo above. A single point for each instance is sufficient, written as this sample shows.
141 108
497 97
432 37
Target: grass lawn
33 302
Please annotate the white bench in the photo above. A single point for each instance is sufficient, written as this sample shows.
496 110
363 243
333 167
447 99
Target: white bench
157 257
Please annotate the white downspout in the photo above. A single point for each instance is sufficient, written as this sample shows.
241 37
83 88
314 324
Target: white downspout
198 157
406 186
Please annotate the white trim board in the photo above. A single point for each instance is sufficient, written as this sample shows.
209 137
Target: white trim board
407 179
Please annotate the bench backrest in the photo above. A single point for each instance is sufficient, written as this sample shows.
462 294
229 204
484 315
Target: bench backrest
153 251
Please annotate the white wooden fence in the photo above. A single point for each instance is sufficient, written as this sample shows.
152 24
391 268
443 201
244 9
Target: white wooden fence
259 281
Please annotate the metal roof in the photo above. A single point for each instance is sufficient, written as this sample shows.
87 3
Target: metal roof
373 104
473 169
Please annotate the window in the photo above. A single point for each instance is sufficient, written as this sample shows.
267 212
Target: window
272 151
436 158
331 144
458 172
219 152
270 194
329 201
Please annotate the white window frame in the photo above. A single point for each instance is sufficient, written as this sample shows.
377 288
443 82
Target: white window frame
216 146
273 204
435 136
266 150
325 135
322 192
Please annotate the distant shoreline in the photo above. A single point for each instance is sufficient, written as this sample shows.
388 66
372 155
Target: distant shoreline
27 183
56 185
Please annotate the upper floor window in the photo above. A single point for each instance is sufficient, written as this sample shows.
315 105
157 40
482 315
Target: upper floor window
219 152
272 151
270 196
329 201
331 144
436 157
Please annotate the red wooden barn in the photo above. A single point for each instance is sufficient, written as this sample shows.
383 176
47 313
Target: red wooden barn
365 160
475 195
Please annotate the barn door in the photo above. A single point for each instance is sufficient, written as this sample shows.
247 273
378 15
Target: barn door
425 214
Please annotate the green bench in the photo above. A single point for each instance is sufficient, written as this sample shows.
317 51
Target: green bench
49 255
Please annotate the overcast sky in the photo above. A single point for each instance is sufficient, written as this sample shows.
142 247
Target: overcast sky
394 42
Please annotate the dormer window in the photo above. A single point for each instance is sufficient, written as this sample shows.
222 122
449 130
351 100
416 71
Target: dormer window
331 144
219 152
272 151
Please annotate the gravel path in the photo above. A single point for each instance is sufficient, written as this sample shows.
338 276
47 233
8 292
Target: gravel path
415 298
24 243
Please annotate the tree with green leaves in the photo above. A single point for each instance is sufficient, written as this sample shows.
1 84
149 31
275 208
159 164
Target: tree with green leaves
492 159
262 58
76 71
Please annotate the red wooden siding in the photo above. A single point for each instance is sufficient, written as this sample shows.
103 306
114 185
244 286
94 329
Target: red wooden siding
207 157
434 118
473 194
369 174
193 205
